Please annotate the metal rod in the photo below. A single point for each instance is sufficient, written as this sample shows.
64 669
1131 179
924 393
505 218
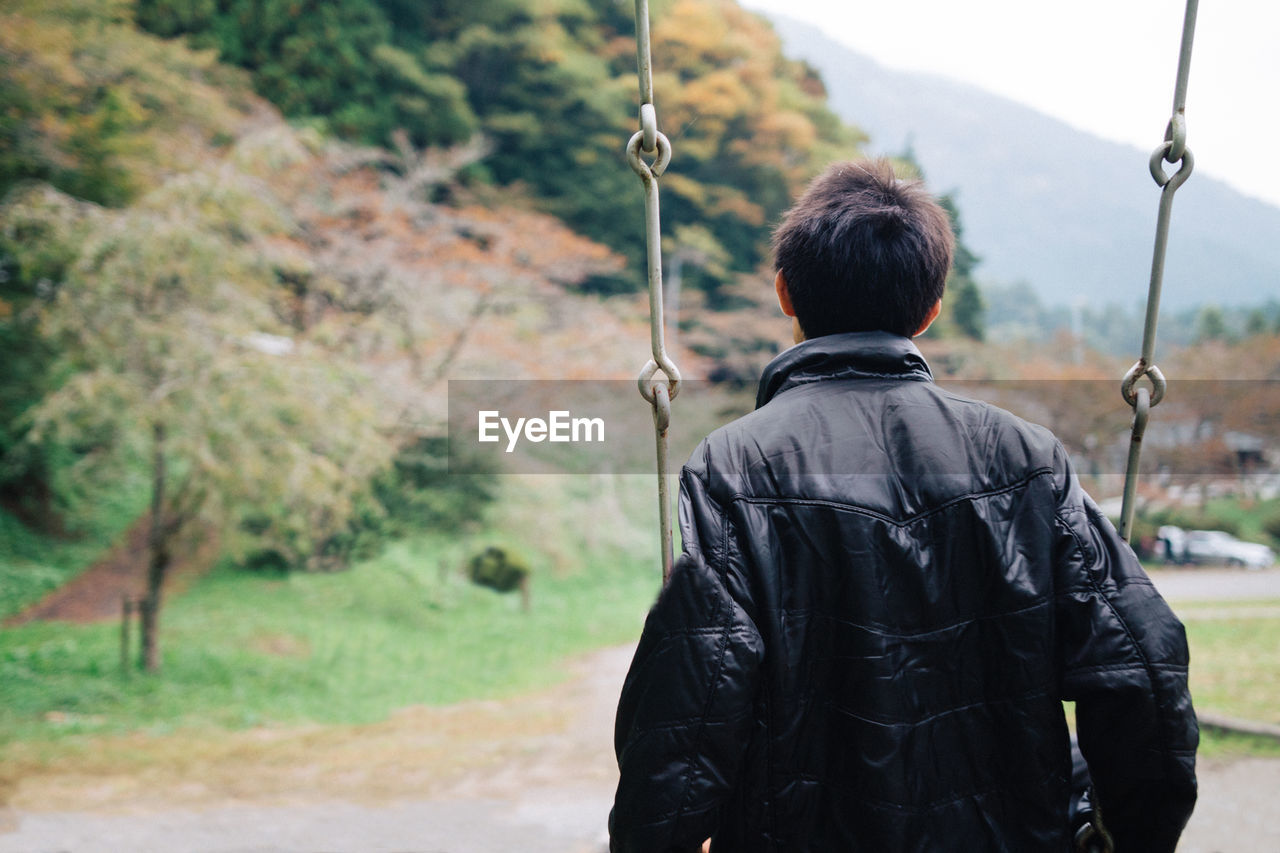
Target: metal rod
644 63
1156 285
1174 150
1128 505
1184 56
664 484
653 245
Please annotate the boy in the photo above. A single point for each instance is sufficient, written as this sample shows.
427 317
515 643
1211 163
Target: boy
885 593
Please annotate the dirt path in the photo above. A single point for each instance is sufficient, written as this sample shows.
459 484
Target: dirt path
97 592
533 773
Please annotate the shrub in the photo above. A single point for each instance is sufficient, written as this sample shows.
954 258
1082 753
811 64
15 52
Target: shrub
1271 524
495 568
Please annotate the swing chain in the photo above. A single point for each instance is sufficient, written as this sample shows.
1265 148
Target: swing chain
1173 150
658 391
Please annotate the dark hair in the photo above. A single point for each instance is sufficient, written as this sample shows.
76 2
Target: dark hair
863 251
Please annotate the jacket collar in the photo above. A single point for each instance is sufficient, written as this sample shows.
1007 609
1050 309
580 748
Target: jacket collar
851 355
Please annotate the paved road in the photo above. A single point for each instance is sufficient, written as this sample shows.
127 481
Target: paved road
539 823
1217 584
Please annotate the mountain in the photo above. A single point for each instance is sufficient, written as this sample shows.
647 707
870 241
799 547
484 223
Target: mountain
1070 214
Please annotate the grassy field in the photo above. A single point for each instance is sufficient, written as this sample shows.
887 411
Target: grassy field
1235 662
406 628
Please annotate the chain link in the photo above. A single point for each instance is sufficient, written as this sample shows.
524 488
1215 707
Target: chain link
658 391
1173 150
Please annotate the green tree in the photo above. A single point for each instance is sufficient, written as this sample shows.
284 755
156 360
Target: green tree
967 307
38 238
1211 324
330 58
1256 322
168 343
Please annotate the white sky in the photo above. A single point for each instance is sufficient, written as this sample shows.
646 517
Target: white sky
1105 66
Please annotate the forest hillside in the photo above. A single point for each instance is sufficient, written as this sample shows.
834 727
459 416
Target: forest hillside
245 244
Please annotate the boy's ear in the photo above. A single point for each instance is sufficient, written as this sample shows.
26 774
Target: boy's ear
784 295
928 320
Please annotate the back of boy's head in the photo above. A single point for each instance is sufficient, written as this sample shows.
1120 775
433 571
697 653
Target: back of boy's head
862 251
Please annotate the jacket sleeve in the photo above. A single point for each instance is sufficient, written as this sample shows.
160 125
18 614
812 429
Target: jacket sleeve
1124 662
687 701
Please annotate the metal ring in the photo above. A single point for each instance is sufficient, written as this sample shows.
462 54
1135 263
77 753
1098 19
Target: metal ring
1089 839
646 384
1084 835
661 408
659 165
1176 134
1153 373
1141 414
1170 182
649 127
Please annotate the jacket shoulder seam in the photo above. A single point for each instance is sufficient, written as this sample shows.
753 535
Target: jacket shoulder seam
897 522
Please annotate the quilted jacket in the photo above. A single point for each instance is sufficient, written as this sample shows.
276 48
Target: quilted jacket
884 595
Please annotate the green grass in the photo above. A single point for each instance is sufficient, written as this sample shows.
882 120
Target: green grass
32 565
1226 745
242 650
406 628
1235 665
1235 608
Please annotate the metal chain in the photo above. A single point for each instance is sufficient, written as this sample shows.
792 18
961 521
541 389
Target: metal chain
1173 150
659 393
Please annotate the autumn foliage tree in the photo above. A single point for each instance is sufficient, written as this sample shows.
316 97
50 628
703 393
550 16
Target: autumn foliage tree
552 85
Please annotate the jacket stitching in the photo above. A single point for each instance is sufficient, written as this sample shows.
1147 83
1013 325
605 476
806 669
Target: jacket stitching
683 722
1033 694
909 520
876 802
708 631
802 379
1146 661
885 630
770 808
696 746
1126 667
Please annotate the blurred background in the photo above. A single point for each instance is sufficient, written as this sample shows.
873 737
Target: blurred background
246 244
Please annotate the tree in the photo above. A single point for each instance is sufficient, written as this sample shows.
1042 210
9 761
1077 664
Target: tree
1256 322
553 85
330 58
1211 324
37 245
173 360
967 307
90 104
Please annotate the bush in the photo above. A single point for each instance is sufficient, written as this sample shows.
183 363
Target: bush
1196 519
1271 524
496 569
415 494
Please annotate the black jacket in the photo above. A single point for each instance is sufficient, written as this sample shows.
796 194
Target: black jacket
886 592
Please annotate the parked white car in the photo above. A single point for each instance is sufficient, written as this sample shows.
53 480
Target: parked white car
1213 546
